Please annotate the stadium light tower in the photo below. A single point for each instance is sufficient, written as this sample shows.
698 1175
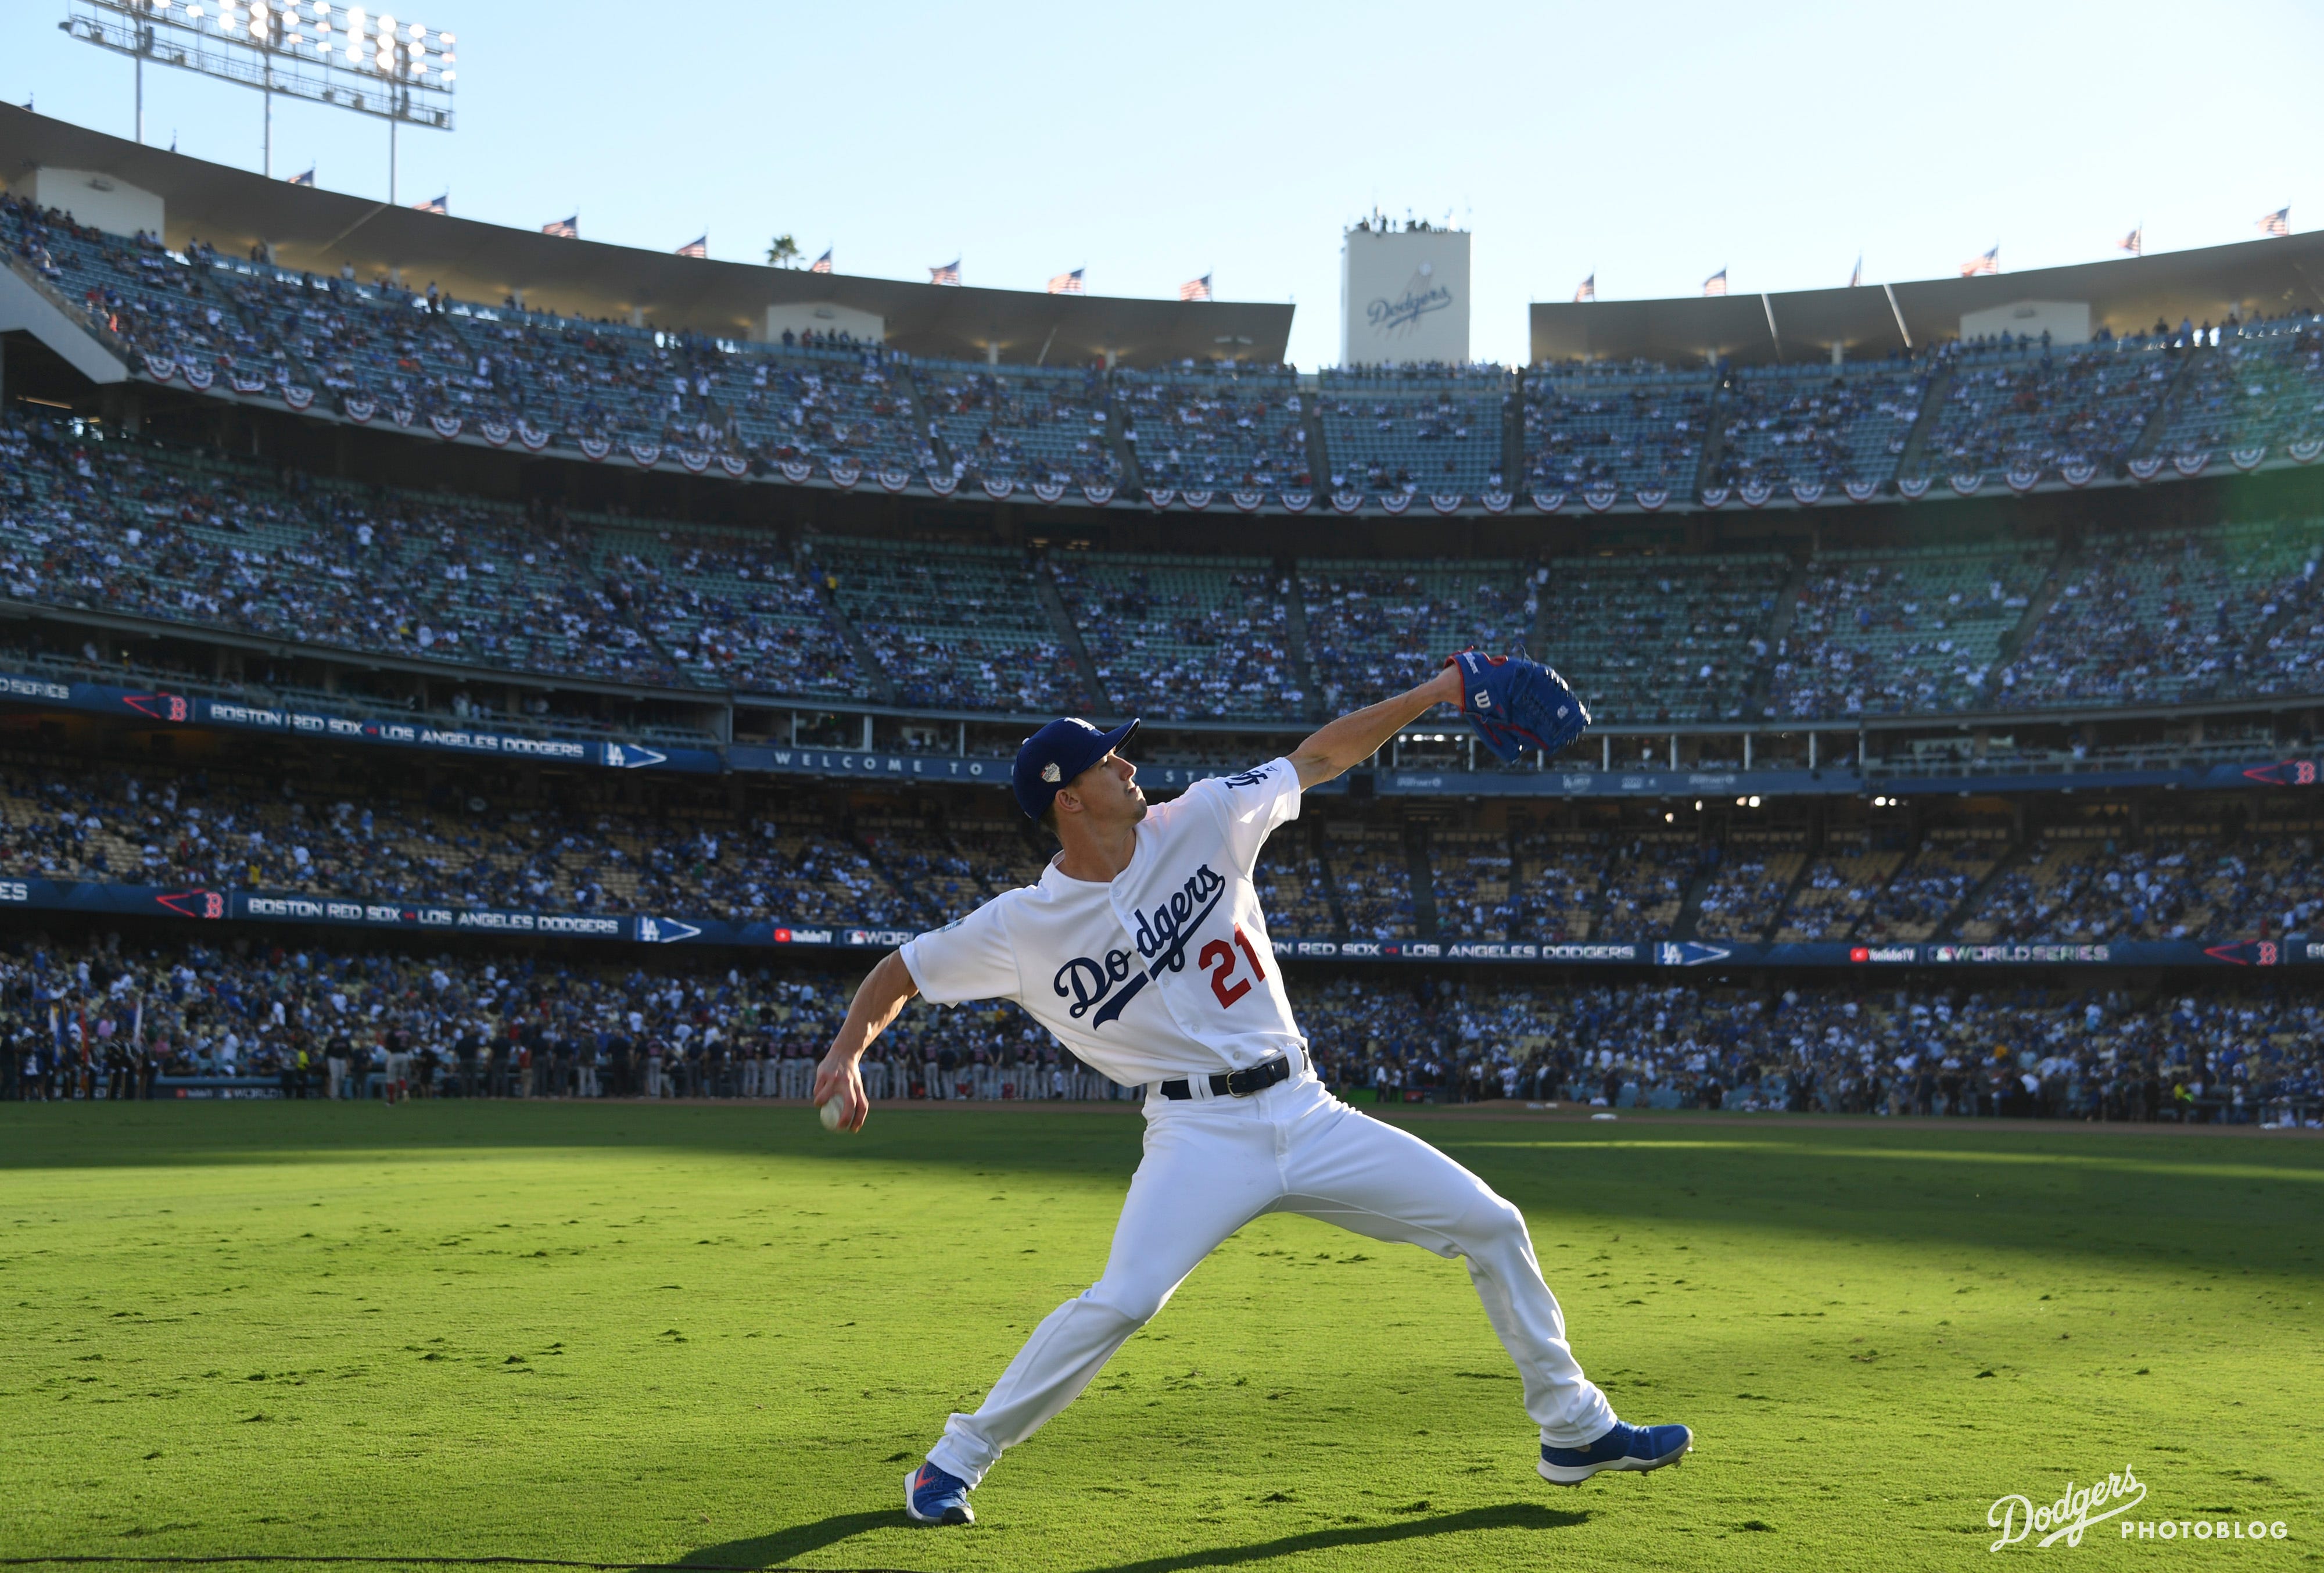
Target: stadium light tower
348 56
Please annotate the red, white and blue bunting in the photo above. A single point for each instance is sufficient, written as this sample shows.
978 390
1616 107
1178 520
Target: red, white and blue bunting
1714 496
1911 489
1347 502
1756 493
1247 501
735 464
447 427
1197 501
695 460
999 488
1049 491
494 432
645 455
1099 495
1160 498
1549 502
2146 470
253 383
844 475
359 411
2023 480
1807 493
1298 502
1599 496
1395 502
2306 449
160 367
298 397
891 480
1652 498
533 436
2077 472
1967 483
796 471
1860 491
2247 459
1445 502
1497 502
942 485
594 449
2191 464
196 376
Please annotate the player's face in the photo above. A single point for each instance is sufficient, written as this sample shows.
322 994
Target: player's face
1109 791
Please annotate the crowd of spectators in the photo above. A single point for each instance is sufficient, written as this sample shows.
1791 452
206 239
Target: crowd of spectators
106 1019
2007 404
93 521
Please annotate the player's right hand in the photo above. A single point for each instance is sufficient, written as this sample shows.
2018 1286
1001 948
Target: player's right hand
837 1077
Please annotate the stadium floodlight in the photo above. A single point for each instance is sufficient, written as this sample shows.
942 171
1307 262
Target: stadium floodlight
401 73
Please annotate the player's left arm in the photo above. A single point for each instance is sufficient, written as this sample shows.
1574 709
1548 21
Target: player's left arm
1342 745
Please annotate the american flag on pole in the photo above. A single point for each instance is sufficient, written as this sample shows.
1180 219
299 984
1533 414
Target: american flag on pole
1066 283
821 264
2276 223
948 274
1586 290
309 179
1716 284
1988 262
563 228
700 248
1856 275
440 206
1195 289
2134 242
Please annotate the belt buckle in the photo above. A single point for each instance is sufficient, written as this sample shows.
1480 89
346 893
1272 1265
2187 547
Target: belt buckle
1239 1084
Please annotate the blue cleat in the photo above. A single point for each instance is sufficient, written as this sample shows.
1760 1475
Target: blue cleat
1639 1448
931 1496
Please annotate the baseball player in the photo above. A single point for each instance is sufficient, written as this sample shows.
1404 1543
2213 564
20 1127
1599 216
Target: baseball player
1143 949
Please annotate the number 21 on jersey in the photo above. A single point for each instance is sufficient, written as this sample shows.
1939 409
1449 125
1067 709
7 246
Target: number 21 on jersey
1218 959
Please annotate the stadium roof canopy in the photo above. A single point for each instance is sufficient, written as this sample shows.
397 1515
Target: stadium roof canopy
322 231
2268 277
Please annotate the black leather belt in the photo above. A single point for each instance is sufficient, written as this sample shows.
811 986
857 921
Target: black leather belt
1235 1083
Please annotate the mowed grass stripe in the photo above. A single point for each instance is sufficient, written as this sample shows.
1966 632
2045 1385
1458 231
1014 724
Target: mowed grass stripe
625 1332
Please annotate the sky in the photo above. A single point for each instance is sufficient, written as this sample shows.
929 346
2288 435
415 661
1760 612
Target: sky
1649 143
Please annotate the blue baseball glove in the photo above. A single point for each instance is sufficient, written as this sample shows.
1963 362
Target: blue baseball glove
1515 704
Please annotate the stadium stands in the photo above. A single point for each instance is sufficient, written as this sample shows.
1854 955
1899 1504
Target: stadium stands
1180 638
1667 638
1415 430
1902 633
1023 423
1627 426
2028 408
1818 427
1375 628
317 1021
956 628
1226 428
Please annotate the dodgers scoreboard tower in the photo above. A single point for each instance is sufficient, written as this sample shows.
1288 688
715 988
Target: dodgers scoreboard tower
1404 295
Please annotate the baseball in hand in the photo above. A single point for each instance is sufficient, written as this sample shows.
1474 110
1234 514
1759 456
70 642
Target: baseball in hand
833 1110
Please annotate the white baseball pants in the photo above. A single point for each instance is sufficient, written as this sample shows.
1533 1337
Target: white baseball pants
1214 1164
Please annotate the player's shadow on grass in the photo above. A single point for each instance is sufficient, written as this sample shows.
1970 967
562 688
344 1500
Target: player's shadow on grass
774 1550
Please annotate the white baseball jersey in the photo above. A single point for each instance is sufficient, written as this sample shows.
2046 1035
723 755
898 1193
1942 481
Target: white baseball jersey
1164 970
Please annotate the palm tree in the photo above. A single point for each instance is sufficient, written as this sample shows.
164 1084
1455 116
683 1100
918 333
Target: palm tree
783 253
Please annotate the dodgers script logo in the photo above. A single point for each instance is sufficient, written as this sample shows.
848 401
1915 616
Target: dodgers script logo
1407 310
1160 936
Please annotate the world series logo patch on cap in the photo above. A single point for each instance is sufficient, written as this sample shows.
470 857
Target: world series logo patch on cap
1051 774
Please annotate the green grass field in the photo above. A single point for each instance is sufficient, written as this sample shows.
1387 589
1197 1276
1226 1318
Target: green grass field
717 1334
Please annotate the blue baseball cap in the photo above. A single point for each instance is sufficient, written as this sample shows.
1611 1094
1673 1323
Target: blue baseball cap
1056 753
